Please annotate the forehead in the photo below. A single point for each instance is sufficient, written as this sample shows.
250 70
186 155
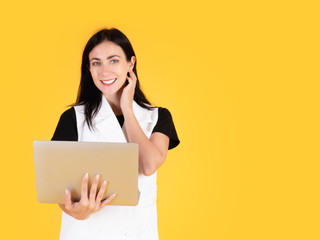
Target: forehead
105 49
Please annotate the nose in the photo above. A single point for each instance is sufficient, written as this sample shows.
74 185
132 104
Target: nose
105 69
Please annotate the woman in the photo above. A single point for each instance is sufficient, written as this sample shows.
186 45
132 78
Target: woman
111 107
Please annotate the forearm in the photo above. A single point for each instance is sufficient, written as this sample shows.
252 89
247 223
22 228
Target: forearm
150 157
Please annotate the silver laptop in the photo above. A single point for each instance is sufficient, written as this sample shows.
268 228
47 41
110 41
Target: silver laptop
61 165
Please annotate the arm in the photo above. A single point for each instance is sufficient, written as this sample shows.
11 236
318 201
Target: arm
153 151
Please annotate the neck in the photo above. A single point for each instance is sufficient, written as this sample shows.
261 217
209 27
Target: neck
114 102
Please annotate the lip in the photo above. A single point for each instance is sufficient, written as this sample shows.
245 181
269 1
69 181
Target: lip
108 82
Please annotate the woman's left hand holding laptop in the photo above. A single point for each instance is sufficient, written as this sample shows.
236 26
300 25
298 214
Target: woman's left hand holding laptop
88 204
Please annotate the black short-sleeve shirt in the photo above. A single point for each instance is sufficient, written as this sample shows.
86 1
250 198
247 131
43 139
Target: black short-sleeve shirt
67 126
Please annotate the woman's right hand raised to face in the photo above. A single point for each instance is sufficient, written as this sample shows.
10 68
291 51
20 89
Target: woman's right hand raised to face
88 204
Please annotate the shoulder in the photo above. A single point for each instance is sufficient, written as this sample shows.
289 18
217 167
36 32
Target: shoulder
68 117
67 126
164 116
68 114
166 126
164 112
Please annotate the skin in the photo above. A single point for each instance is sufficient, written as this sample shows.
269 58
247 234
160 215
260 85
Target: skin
108 62
88 204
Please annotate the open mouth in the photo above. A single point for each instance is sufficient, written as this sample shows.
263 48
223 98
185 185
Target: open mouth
108 82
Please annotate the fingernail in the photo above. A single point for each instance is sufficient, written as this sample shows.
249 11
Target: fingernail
114 195
86 175
67 191
97 176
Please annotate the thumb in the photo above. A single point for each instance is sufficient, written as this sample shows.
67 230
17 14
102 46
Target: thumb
67 200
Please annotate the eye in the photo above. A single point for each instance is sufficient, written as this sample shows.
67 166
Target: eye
113 61
95 63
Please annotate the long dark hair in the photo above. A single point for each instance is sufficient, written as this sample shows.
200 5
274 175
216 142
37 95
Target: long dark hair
88 94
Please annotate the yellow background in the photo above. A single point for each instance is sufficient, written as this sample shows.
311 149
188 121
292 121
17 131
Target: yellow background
241 79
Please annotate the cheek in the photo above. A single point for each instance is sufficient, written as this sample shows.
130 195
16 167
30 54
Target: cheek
125 72
94 74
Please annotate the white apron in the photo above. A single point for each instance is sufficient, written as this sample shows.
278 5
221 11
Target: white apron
116 222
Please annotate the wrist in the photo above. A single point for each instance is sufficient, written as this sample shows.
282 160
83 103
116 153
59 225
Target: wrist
128 113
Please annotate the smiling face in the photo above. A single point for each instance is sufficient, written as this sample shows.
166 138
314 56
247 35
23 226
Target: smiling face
109 68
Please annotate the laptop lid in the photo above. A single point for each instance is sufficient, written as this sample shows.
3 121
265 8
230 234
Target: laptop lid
61 165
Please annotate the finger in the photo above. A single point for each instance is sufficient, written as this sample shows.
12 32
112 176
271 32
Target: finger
108 200
93 190
84 187
67 200
101 191
132 74
63 207
129 79
132 82
133 79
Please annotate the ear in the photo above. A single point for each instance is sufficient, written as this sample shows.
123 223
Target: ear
131 63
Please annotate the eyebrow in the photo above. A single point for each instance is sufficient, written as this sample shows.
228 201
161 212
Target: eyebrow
107 57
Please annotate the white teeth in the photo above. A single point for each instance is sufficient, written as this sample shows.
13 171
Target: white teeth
109 81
